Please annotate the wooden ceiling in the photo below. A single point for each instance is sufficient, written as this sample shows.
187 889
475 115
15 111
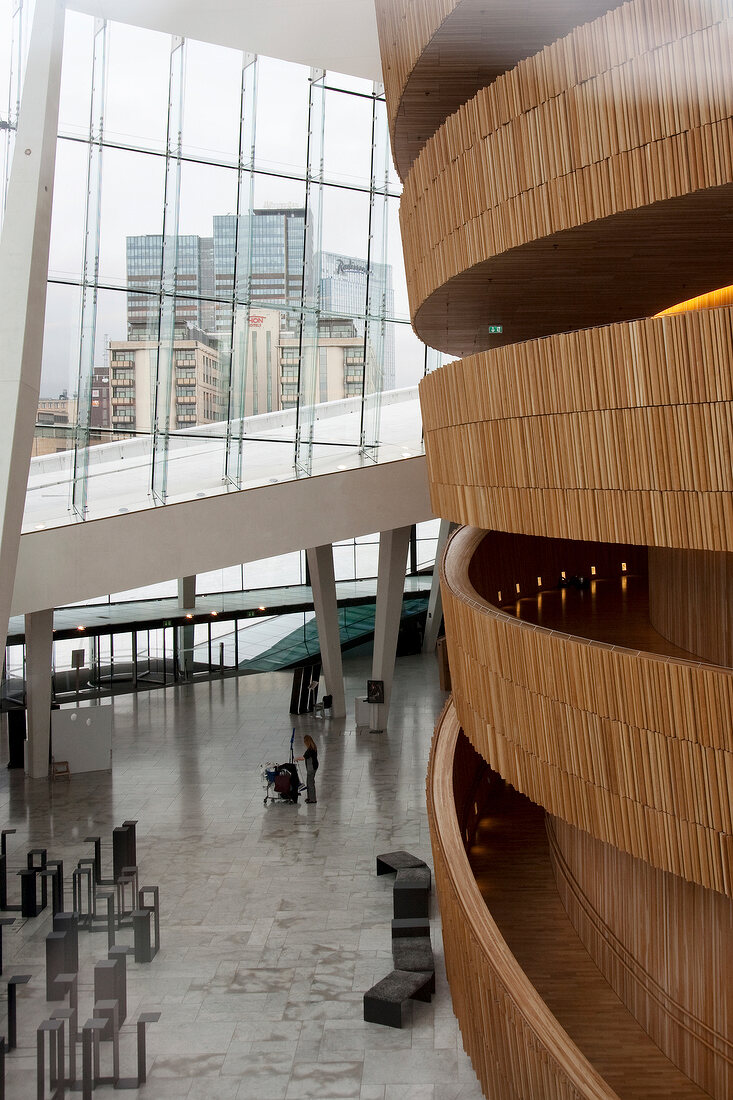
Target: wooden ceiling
479 40
633 264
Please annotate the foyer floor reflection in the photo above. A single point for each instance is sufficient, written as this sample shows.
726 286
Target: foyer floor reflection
273 920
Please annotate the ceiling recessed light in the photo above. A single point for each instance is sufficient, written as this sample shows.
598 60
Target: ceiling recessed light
81 628
340 467
214 613
261 607
40 526
407 454
189 616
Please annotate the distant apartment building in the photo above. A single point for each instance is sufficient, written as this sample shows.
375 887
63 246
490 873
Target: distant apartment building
269 246
56 418
195 381
260 367
339 369
55 424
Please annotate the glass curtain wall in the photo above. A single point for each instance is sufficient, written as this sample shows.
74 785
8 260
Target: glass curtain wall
225 261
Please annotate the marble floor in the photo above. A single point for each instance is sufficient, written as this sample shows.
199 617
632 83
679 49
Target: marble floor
273 922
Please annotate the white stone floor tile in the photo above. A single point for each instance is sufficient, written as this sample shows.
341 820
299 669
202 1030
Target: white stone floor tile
273 921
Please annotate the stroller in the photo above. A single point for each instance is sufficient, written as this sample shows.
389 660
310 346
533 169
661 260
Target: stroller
282 779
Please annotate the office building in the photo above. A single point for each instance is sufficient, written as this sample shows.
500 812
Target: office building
193 284
352 288
566 185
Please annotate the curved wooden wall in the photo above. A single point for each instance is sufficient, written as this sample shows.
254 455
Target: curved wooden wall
634 748
530 1054
690 601
618 434
587 187
655 938
436 54
527 207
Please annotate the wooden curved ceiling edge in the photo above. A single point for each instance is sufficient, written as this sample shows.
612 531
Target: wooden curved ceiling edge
614 269
473 45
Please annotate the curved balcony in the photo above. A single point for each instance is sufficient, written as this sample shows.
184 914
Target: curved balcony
436 54
600 434
524 200
633 747
506 1026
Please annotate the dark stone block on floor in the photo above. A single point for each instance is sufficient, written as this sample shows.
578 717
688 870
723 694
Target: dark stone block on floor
383 1003
389 862
410 926
414 953
412 893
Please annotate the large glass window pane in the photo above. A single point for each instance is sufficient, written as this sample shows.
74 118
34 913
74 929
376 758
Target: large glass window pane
131 210
211 102
348 83
137 87
399 307
162 590
409 353
345 222
347 143
219 580
367 559
282 116
69 205
60 342
76 74
273 572
344 561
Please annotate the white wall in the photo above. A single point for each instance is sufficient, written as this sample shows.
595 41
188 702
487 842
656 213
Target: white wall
81 561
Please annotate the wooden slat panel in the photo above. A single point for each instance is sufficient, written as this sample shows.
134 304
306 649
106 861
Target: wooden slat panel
634 748
689 601
622 434
587 158
660 942
517 1047
436 54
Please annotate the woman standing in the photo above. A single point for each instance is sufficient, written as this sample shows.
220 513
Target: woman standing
310 757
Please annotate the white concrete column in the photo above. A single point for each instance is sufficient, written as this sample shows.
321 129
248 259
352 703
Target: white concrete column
323 583
23 273
435 603
187 592
38 655
393 548
185 640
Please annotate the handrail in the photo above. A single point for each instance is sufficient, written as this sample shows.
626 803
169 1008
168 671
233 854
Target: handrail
480 963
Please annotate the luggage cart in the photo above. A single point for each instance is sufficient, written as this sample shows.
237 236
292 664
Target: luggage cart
282 782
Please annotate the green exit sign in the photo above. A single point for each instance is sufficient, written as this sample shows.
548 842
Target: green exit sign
495 328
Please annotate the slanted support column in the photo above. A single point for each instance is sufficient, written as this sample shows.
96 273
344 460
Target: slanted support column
187 602
38 654
323 583
435 603
23 273
393 548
